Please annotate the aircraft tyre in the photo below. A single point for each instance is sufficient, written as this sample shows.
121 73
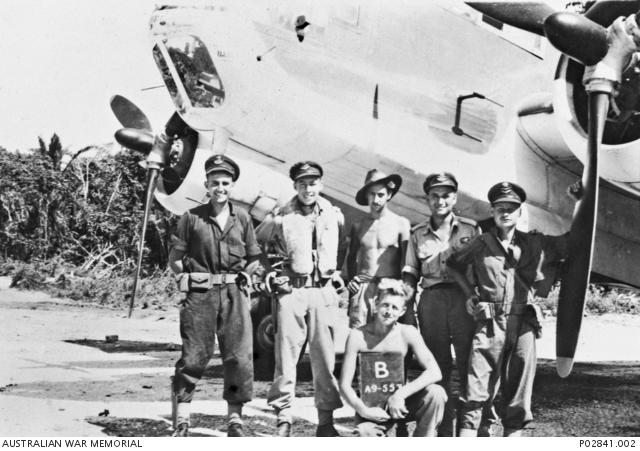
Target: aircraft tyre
263 339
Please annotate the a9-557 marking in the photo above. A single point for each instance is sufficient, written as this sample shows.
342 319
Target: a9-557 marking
607 443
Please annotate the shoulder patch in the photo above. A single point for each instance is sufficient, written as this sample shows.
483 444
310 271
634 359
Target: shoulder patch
420 225
467 221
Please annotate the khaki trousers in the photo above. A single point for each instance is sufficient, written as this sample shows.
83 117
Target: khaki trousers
305 313
503 352
425 407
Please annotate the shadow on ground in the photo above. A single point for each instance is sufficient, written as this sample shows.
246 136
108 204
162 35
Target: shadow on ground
202 426
126 345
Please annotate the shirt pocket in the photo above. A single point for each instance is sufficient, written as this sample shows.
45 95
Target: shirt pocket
428 254
237 247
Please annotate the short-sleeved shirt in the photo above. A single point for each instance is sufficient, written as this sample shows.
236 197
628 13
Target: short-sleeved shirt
212 249
427 254
533 254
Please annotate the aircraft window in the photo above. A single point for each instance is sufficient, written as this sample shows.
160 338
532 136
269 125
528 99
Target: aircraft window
166 76
197 72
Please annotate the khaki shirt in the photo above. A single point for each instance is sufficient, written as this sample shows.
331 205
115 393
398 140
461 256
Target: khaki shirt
211 249
427 254
534 255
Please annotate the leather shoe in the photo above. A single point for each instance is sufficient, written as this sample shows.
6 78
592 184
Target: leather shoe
182 430
283 429
235 430
326 430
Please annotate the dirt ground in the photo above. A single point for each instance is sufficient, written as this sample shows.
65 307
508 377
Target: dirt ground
61 378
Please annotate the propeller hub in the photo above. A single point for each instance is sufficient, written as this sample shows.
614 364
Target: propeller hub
577 37
135 139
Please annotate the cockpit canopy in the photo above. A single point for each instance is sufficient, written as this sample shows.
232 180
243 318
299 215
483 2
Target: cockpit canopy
190 75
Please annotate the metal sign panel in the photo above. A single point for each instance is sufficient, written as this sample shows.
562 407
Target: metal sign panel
381 374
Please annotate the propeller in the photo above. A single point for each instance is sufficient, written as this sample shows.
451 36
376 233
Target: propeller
584 40
160 158
529 16
128 114
581 239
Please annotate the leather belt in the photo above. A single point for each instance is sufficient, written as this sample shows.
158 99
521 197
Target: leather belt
508 308
222 279
303 282
439 285
202 279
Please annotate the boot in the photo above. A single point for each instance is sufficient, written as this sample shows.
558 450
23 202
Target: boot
283 429
401 429
508 432
326 430
468 433
182 430
235 430
484 430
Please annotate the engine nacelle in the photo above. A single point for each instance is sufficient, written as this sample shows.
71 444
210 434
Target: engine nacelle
259 188
554 125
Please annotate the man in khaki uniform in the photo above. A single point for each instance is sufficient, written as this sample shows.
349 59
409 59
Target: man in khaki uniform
377 245
308 231
213 245
509 268
442 316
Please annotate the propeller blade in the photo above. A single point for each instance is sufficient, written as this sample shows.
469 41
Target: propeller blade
604 12
577 37
152 178
529 16
576 279
128 114
135 139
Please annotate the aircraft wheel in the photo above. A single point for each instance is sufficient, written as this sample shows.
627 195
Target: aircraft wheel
263 341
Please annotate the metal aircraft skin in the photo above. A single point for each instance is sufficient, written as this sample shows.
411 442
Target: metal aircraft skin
376 84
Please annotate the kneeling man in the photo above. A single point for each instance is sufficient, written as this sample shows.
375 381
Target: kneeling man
422 399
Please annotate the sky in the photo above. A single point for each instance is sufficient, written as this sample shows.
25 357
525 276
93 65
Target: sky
63 60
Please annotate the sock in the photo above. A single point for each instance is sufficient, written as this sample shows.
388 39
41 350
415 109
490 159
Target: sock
325 417
284 415
234 413
183 410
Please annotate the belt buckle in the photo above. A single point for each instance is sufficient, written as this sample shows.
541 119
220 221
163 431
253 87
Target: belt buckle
299 281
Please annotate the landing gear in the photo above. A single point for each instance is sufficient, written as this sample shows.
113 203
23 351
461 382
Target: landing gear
263 337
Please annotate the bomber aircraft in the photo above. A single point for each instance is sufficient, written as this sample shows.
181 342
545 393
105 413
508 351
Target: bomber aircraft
408 87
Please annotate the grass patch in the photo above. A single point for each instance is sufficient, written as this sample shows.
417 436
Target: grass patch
112 288
600 299
101 286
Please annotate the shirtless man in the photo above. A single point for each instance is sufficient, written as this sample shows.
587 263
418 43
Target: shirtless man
422 399
377 245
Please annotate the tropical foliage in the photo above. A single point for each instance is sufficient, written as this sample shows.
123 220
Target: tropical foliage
85 213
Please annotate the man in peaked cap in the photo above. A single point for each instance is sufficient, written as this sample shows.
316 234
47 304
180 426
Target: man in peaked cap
442 316
213 246
308 231
377 245
510 268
